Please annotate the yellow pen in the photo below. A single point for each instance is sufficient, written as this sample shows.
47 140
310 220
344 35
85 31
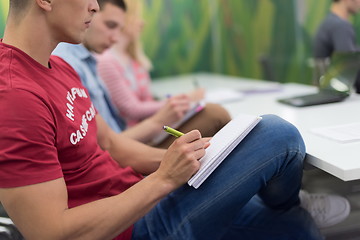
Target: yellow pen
172 131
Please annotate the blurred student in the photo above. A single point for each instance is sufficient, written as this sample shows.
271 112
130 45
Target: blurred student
336 34
125 70
100 36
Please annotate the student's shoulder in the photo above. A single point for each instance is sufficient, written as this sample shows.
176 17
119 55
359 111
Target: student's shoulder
334 21
60 63
71 53
64 48
75 55
18 70
63 68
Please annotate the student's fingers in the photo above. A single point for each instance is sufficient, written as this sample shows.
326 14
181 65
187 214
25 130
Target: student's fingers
182 97
207 142
207 139
182 100
181 160
197 147
179 106
199 153
190 137
182 105
170 113
197 94
201 145
197 141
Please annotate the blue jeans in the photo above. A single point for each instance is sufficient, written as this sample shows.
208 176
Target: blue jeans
253 194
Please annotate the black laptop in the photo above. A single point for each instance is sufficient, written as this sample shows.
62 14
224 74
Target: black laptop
335 85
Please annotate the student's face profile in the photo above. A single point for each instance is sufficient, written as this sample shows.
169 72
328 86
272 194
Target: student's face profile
71 18
105 28
134 26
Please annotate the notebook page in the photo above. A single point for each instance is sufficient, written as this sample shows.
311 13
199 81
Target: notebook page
221 145
341 133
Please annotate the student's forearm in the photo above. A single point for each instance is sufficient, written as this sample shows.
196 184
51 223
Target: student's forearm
40 210
125 210
127 151
142 158
144 131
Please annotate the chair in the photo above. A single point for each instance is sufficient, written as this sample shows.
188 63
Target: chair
267 68
8 230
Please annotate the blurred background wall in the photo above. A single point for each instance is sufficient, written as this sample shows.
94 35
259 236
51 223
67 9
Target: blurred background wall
4 5
249 38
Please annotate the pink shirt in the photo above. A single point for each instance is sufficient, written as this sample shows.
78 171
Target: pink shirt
129 87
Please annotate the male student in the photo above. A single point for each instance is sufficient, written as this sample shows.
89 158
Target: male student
69 176
101 35
336 33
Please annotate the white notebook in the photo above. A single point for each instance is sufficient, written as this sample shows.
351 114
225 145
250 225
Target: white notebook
221 145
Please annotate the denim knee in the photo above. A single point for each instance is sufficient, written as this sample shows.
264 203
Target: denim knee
283 133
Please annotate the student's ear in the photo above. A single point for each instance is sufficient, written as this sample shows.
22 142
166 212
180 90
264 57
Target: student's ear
44 4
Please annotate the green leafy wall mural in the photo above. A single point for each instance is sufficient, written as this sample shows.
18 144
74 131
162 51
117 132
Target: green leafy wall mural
4 6
236 37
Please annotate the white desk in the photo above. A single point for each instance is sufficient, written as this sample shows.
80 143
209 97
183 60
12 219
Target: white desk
339 159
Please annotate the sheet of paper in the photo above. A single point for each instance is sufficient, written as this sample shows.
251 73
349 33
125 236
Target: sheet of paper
221 145
223 95
342 133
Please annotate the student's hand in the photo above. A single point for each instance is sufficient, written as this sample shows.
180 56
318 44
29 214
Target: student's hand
181 160
173 110
197 95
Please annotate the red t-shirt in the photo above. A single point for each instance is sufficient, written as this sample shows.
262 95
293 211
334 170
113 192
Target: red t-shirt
48 131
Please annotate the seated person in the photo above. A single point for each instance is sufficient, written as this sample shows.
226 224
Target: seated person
336 33
125 71
97 39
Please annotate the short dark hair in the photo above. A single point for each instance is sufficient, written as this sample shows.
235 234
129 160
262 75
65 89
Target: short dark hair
18 4
120 3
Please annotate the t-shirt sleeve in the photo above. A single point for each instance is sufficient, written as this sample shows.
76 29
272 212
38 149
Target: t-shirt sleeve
28 152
